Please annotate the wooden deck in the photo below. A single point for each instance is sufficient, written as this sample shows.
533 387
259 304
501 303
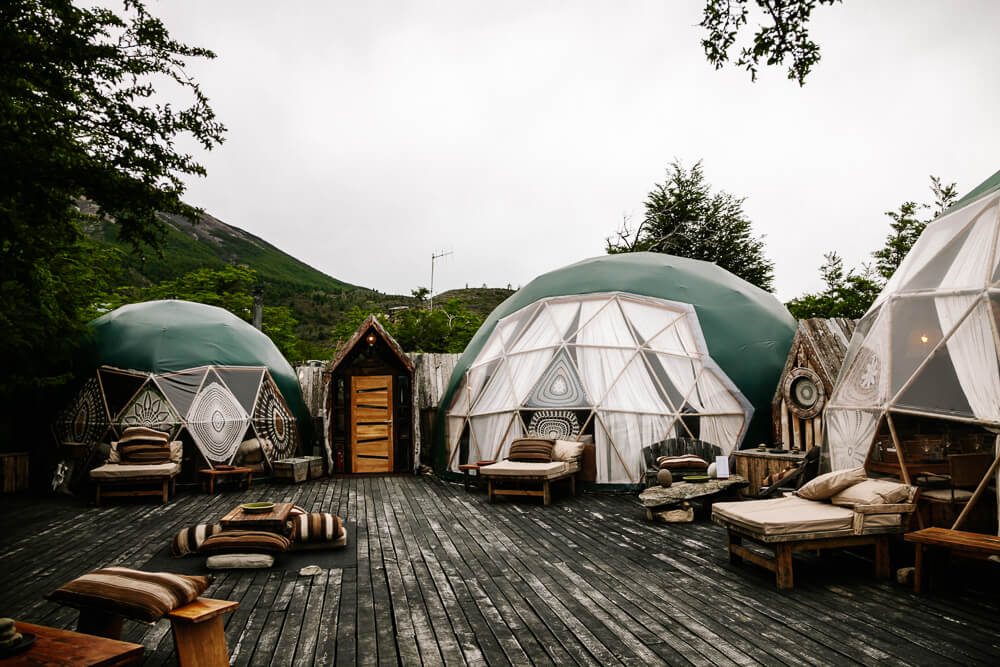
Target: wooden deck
443 577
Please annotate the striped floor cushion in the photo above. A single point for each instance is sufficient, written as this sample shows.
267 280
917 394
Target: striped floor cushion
144 453
189 540
685 462
316 527
244 542
143 596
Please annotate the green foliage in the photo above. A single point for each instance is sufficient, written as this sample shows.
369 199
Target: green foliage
684 217
447 328
232 289
851 294
80 119
783 34
847 294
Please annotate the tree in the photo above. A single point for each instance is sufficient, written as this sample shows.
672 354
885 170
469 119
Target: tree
80 118
420 294
684 217
783 34
230 288
906 227
447 328
848 294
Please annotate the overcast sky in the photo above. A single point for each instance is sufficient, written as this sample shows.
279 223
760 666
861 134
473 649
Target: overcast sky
365 136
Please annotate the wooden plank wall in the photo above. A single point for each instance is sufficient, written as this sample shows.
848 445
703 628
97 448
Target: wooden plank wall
431 374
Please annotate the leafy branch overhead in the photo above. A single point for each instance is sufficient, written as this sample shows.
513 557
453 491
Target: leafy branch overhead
782 35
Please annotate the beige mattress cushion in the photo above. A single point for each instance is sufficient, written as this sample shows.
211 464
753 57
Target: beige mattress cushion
125 471
786 516
872 492
525 469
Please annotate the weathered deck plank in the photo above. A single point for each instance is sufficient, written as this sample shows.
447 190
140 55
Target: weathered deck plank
444 578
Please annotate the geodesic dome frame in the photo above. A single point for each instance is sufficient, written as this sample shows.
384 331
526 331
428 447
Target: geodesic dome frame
632 369
929 345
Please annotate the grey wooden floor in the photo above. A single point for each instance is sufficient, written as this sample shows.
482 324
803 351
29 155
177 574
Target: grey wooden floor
443 577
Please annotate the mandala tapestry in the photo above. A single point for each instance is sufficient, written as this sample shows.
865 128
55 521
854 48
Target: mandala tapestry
151 409
85 420
273 422
555 424
217 422
559 386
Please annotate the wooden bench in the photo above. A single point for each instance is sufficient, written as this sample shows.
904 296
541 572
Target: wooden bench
969 545
197 628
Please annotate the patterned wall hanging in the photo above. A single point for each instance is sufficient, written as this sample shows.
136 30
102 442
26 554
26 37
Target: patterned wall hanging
274 422
151 409
555 424
559 386
85 419
217 421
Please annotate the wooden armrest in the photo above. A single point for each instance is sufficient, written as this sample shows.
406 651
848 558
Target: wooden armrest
202 610
899 508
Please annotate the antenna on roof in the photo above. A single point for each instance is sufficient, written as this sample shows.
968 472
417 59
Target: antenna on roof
443 253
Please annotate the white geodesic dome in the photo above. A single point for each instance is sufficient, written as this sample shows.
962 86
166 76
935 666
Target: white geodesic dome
629 370
929 344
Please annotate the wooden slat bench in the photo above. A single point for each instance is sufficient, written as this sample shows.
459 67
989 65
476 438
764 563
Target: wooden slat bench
969 545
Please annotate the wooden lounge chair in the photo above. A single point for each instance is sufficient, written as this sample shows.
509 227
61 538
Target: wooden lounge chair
675 447
537 477
792 524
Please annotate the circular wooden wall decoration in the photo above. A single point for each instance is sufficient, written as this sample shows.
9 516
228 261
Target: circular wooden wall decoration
804 393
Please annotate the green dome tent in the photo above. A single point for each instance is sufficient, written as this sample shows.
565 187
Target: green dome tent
629 349
179 365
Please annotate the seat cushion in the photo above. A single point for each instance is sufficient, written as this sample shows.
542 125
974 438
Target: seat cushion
189 540
567 450
122 471
238 561
144 453
827 485
316 527
245 542
683 462
524 469
144 596
785 516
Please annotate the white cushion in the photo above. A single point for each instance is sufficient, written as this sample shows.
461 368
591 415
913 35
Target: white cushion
566 450
825 486
872 492
238 561
125 471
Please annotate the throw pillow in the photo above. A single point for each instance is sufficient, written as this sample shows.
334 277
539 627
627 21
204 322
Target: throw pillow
531 450
316 527
872 492
250 451
685 462
189 540
143 453
177 451
825 486
238 561
567 450
244 542
144 596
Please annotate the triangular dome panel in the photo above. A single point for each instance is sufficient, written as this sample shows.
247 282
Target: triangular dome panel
559 386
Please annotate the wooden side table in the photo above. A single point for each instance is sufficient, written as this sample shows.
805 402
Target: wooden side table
208 476
754 465
198 632
54 647
467 472
272 522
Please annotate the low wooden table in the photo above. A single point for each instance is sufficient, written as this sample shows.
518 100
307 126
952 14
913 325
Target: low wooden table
970 545
55 647
656 497
755 465
208 476
272 522
467 472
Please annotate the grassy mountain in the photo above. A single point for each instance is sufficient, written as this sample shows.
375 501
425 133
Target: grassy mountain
317 301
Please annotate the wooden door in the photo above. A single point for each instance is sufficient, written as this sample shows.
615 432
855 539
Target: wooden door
371 423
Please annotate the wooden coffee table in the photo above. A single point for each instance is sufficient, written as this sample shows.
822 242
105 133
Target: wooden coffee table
272 522
656 497
55 647
208 475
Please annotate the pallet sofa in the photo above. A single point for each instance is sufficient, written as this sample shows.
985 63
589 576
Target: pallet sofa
120 476
531 467
837 510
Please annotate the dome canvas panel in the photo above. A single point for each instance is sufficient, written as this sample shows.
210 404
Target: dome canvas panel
85 419
929 346
181 388
217 421
559 386
149 408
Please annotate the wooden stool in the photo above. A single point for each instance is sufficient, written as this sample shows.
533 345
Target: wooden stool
198 633
208 475
467 470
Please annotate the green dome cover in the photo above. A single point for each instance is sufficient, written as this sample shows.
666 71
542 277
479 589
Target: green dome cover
747 330
169 336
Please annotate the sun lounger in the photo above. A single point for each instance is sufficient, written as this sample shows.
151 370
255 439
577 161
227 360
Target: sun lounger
531 478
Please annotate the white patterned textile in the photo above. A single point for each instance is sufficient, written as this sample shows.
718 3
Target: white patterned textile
217 422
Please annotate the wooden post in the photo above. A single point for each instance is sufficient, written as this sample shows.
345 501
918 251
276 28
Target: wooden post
809 434
979 489
546 493
785 438
734 540
882 557
783 571
818 427
899 450
918 568
796 439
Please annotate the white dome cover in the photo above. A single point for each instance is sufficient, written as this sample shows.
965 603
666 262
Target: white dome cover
631 370
928 345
